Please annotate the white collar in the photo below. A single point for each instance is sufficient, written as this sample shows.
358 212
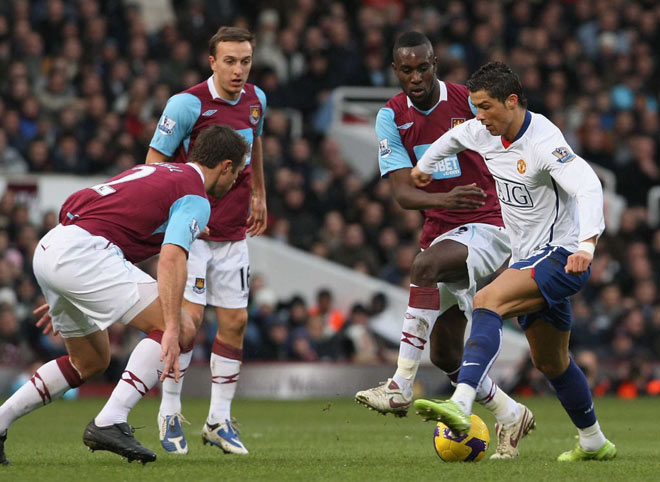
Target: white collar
443 96
214 92
198 169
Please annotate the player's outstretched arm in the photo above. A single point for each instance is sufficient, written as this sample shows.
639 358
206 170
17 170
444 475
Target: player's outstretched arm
172 275
410 197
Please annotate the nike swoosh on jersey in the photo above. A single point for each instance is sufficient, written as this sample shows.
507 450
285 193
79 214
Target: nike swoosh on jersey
405 126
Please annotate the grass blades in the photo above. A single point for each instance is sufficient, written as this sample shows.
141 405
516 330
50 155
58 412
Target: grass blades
327 440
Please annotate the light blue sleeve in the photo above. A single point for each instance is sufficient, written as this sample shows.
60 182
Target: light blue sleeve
262 98
176 123
189 215
391 153
472 107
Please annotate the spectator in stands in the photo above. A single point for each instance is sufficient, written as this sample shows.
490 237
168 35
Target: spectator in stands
364 345
330 318
599 78
11 161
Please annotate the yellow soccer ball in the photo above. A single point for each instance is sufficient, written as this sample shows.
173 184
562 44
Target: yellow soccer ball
468 448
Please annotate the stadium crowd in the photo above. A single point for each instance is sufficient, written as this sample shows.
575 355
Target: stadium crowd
83 82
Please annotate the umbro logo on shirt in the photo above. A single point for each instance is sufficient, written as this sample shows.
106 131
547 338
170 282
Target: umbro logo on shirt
405 126
209 113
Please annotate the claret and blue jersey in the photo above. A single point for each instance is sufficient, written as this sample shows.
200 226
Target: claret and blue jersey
186 115
143 208
404 135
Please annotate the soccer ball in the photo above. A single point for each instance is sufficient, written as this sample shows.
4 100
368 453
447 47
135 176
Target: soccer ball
468 448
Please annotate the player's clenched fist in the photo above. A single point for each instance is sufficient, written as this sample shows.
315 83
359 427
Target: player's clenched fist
420 178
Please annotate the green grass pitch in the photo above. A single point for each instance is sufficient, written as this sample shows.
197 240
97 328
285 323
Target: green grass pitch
329 440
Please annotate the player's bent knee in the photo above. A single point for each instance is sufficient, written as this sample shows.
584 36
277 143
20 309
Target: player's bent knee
481 299
550 368
188 331
424 272
233 322
89 366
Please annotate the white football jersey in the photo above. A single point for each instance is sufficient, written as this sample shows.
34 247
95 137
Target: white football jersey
549 195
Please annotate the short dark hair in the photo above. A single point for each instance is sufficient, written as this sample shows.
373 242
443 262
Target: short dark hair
217 143
498 80
230 34
411 39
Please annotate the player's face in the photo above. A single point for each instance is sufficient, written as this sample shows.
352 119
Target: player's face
497 116
226 178
415 68
231 67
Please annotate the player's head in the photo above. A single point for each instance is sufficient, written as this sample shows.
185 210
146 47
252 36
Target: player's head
415 65
230 56
221 152
496 92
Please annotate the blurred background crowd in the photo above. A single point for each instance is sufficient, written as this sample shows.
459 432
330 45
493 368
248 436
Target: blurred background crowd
83 83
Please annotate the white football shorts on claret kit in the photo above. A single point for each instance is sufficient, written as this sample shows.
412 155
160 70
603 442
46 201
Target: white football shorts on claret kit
488 249
88 283
218 274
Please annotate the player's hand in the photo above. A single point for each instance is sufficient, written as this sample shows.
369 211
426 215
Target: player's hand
170 354
45 321
257 222
462 197
578 263
420 178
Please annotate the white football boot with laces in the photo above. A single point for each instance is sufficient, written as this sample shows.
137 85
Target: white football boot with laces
385 398
509 436
171 433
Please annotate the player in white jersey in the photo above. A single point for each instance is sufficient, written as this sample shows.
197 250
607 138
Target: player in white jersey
552 206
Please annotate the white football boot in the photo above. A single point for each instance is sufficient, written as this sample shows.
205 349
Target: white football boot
224 436
171 433
509 436
385 398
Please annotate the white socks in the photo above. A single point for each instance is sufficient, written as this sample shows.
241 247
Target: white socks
224 374
141 374
47 384
171 398
464 395
591 438
505 409
417 324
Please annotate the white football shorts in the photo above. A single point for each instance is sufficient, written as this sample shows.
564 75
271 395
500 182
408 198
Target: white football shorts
88 283
488 249
218 274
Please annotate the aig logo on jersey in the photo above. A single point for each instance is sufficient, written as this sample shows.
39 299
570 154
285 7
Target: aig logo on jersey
255 114
456 121
563 154
513 193
200 286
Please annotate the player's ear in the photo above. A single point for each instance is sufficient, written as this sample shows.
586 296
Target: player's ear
512 101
